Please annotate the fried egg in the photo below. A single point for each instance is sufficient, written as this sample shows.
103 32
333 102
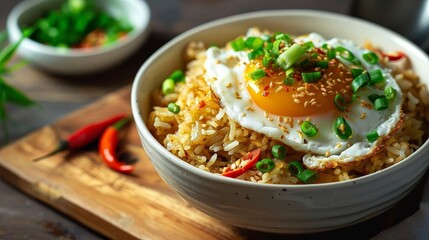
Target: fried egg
277 110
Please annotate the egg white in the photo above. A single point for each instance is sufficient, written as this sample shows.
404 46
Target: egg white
225 70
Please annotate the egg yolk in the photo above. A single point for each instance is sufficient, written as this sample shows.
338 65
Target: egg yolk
299 98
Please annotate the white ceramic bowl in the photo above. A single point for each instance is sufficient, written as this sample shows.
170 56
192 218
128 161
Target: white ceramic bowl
278 208
79 61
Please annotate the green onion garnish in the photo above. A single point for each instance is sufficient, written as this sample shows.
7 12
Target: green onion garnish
278 151
265 165
238 44
307 176
174 108
370 57
373 97
390 93
257 74
253 43
290 56
177 76
372 136
340 102
311 76
290 72
295 168
309 129
376 76
331 53
381 103
360 81
255 53
342 128
345 53
168 86
322 64
289 81
356 72
267 61
308 46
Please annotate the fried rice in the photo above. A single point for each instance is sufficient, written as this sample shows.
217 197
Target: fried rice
204 136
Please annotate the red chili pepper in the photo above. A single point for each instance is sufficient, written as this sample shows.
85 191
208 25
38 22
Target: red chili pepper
84 136
107 148
253 158
393 56
201 104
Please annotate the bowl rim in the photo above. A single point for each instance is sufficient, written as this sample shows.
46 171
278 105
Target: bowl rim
145 133
13 27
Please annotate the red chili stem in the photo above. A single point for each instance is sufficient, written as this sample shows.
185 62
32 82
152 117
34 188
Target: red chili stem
108 145
83 136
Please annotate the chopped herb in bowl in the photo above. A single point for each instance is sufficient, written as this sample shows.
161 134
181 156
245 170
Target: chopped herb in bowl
78 24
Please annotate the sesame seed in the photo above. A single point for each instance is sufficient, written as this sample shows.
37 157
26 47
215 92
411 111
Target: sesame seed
300 89
313 103
324 94
362 116
342 127
323 89
243 114
330 74
279 88
305 103
311 94
308 119
270 119
299 121
339 80
228 84
300 135
313 100
296 100
328 153
338 145
266 114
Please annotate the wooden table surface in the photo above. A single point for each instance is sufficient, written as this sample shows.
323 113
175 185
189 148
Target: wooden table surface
22 217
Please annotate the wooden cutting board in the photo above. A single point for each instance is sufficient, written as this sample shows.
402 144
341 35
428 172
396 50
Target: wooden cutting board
140 206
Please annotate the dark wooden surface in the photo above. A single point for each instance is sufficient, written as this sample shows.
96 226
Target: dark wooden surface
22 217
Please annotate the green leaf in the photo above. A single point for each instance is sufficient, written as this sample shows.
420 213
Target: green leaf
7 53
15 96
3 37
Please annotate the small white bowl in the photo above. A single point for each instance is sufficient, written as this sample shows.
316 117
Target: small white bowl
278 208
79 61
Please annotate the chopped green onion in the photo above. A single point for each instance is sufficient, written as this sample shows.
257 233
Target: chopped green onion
308 46
290 56
177 76
390 92
290 72
311 76
309 129
278 151
295 168
373 97
268 46
307 176
356 72
282 36
340 102
381 103
289 81
253 43
376 76
360 81
276 47
370 57
255 53
354 96
257 74
331 53
168 86
372 136
174 108
345 53
265 165
267 61
322 64
238 44
342 128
